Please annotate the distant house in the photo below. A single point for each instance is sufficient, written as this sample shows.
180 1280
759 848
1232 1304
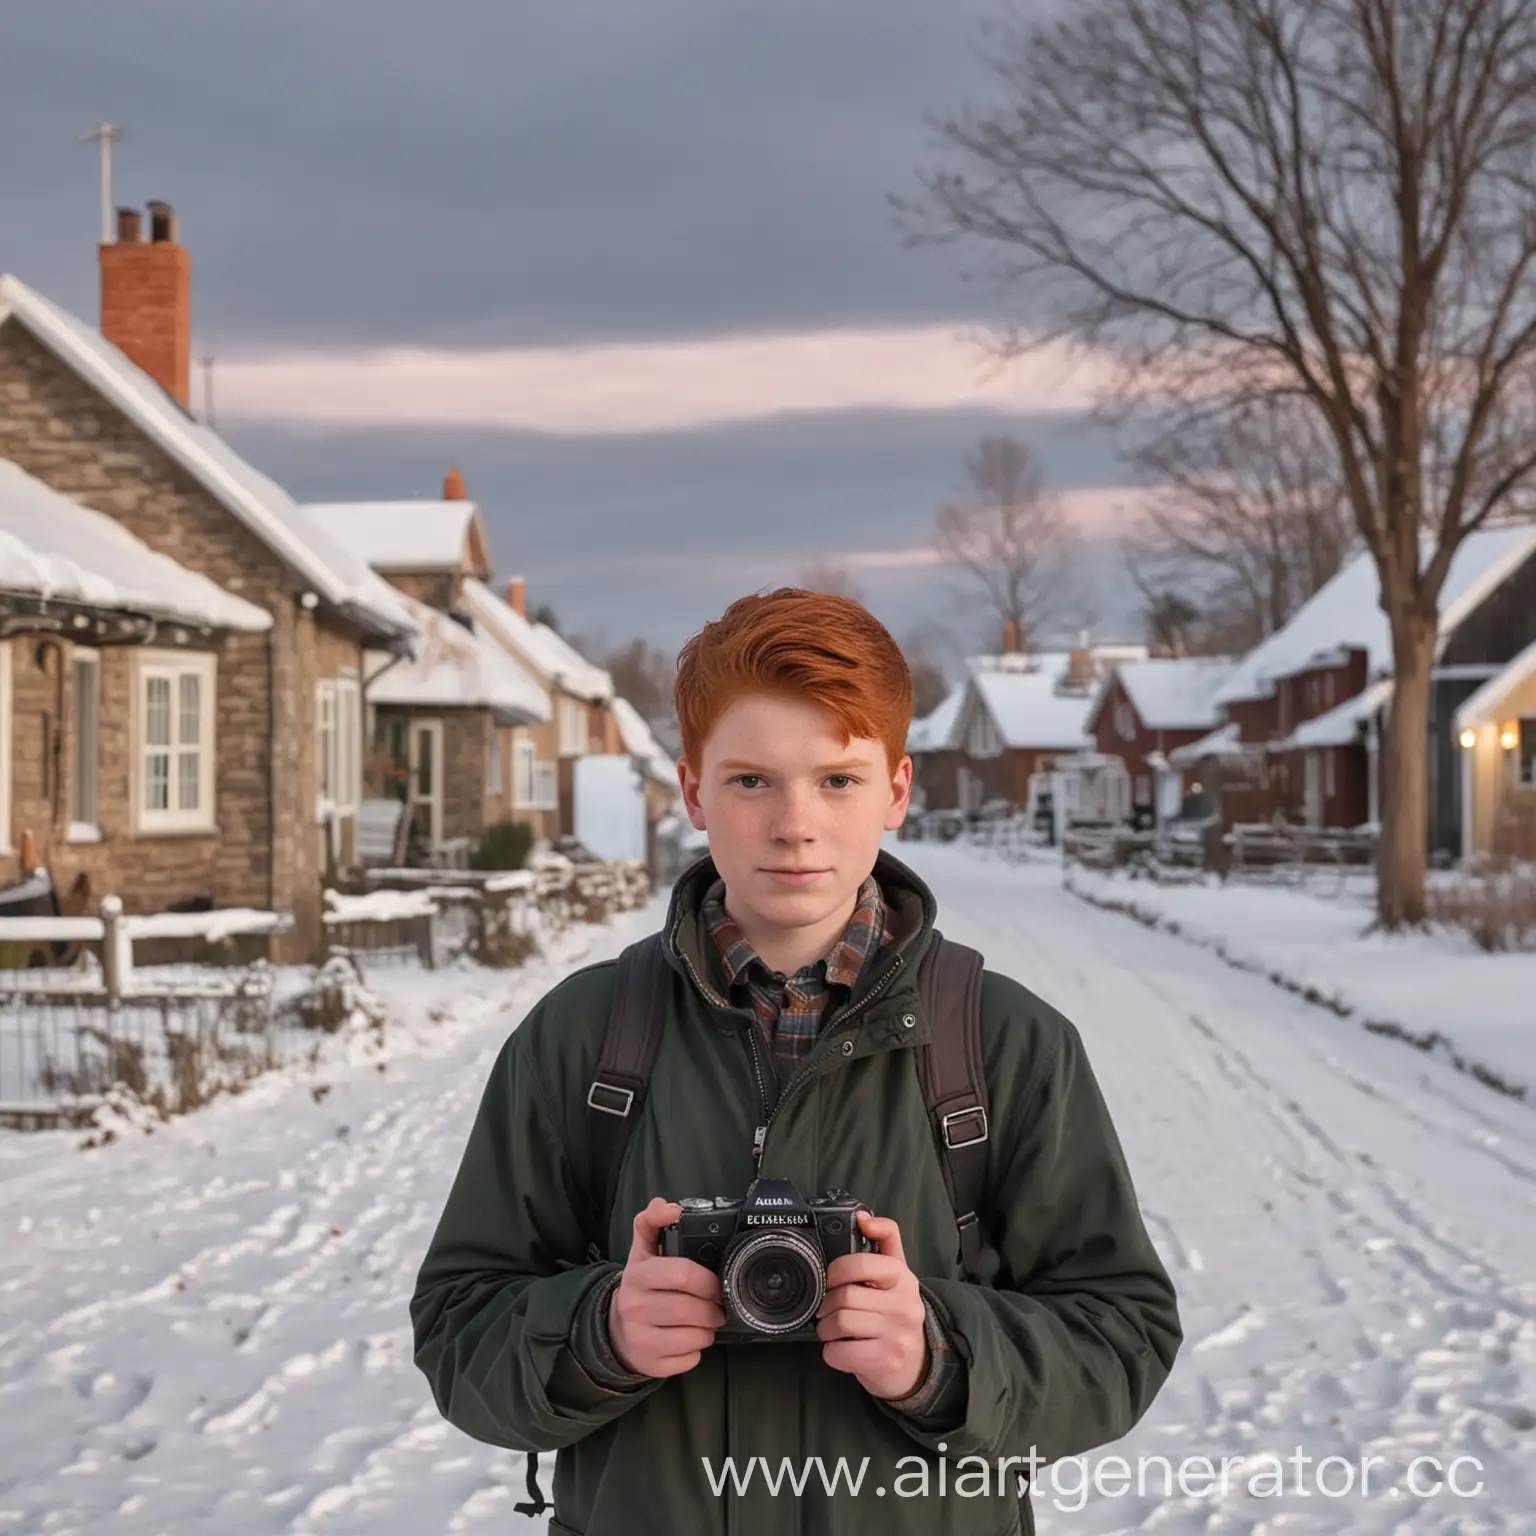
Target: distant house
443 725
1020 717
225 761
657 770
936 755
1146 710
1496 732
581 700
1303 713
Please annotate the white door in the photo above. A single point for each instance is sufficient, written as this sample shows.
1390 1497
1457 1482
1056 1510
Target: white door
1312 794
426 765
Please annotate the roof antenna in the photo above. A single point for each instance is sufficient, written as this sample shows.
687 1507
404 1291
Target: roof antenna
105 135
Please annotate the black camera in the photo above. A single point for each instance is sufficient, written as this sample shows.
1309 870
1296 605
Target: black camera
771 1250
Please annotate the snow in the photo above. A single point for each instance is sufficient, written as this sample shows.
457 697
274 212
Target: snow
1224 741
1176 693
54 549
1346 613
225 923
455 667
1026 707
935 731
399 535
205 1329
640 742
532 644
382 906
1424 984
260 503
1340 726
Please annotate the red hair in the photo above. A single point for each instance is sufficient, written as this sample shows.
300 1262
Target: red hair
810 645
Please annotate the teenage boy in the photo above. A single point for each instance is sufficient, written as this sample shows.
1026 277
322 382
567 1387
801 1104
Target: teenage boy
789 1047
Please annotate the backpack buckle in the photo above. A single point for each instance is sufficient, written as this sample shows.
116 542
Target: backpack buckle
622 1100
978 1118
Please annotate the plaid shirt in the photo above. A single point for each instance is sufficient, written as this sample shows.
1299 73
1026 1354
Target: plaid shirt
790 1008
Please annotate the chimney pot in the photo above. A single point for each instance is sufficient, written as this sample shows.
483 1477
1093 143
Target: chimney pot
129 226
453 486
517 596
1010 637
162 224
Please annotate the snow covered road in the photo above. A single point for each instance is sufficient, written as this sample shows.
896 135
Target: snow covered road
205 1330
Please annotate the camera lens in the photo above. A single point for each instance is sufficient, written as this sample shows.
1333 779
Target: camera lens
774 1281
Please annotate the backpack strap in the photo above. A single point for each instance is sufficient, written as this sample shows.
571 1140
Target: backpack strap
635 1020
955 1086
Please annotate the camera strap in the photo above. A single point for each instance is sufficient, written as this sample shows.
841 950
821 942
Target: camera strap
949 1069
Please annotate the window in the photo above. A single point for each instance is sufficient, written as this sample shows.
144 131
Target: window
535 784
338 745
1125 721
175 744
1328 691
1330 782
85 776
1527 752
573 728
325 746
493 770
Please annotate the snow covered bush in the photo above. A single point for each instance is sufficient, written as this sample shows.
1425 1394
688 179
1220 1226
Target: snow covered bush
1496 907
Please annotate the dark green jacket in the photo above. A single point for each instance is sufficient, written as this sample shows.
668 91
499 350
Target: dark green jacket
1063 1353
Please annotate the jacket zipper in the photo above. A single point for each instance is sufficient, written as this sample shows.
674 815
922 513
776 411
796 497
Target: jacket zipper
816 1062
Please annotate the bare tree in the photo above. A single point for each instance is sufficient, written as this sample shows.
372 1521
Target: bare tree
1331 201
1011 535
1250 512
643 674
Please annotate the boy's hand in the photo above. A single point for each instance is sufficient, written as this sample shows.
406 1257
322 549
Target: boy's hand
665 1311
872 1317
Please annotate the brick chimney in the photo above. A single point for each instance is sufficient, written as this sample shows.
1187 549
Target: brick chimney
517 596
1011 637
453 486
146 298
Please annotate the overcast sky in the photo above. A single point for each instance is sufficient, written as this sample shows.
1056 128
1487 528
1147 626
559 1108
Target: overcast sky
629 266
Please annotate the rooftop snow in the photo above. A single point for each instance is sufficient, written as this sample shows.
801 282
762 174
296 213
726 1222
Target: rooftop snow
640 742
1340 726
1346 613
934 731
537 646
399 535
455 667
1488 702
1176 693
261 504
1028 711
53 548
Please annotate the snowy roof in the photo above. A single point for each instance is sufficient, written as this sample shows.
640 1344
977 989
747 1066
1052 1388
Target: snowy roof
1346 613
1224 741
935 731
640 742
1488 702
261 504
456 667
1340 726
406 535
537 646
1175 693
53 548
1026 708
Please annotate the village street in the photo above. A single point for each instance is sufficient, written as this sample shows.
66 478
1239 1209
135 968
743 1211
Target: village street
205 1330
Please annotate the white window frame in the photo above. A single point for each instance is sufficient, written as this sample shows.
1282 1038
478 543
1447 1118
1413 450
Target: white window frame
535 780
83 828
174 666
327 739
493 767
7 702
573 727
